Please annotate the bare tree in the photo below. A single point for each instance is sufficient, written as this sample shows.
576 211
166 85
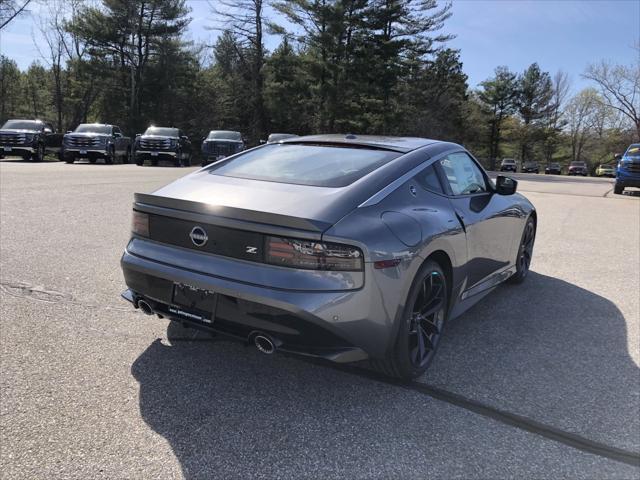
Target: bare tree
11 9
245 19
587 117
619 88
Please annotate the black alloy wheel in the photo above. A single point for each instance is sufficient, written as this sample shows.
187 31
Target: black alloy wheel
525 252
427 319
421 327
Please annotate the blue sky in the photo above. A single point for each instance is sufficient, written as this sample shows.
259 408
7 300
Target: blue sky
558 34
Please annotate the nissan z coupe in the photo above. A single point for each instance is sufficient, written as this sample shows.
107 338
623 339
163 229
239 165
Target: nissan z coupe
340 247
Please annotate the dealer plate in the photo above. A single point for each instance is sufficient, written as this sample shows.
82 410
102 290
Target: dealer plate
7 149
193 303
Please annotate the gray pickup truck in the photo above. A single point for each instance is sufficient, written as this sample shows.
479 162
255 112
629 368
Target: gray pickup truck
94 141
29 139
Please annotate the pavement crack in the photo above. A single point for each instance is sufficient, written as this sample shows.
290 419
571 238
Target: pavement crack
508 418
41 294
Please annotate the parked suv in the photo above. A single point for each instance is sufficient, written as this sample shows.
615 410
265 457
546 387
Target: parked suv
628 171
96 140
553 168
220 144
30 139
530 167
578 168
158 143
508 165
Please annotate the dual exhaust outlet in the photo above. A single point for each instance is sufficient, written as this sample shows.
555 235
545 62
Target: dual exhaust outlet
263 342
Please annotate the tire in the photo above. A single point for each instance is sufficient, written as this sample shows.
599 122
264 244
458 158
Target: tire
525 252
127 156
154 162
140 162
109 159
417 340
187 161
38 155
177 162
92 160
618 189
69 160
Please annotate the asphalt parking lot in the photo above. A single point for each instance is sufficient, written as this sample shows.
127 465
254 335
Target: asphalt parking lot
92 389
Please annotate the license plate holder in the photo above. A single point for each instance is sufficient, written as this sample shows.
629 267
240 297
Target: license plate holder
83 152
154 154
7 149
192 303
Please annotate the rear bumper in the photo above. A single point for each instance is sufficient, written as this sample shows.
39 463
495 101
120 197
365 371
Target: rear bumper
339 325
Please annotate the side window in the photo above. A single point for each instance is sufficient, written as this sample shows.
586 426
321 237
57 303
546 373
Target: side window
116 131
48 128
428 179
463 175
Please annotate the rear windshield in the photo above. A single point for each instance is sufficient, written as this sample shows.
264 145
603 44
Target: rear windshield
224 135
23 125
276 137
530 164
162 131
321 166
508 160
578 164
93 128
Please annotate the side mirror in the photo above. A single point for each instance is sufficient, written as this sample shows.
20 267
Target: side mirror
138 135
185 138
117 135
262 142
617 156
506 185
69 131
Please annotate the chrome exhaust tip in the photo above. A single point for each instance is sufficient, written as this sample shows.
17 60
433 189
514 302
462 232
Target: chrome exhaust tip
145 307
264 344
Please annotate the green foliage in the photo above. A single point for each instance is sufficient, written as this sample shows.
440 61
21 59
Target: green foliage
350 66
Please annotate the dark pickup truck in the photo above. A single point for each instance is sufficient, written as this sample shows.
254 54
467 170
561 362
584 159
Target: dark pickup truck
162 143
29 139
220 144
96 140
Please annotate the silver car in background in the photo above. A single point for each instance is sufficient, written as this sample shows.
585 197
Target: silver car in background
340 247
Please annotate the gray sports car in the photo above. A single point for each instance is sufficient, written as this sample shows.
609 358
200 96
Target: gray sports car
340 247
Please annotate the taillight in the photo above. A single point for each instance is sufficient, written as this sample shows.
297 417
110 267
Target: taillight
311 255
140 223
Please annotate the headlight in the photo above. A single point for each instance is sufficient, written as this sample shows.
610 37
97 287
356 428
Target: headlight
173 143
310 255
140 223
28 137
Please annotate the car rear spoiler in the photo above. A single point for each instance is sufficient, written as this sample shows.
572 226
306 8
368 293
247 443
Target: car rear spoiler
170 206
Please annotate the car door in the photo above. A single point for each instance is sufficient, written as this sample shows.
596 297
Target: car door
118 140
489 219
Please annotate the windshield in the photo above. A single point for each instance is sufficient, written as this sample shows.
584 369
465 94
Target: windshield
224 135
23 125
508 160
93 128
633 151
578 164
530 164
162 131
321 166
554 165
